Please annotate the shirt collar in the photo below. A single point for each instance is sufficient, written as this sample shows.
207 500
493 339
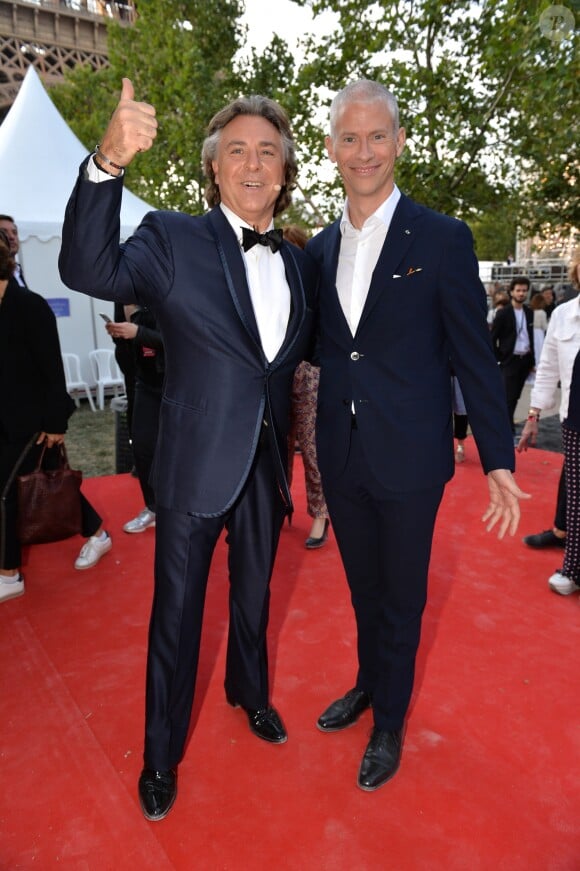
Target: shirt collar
384 213
237 223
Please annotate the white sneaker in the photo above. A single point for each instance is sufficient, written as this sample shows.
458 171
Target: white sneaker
142 522
559 583
92 551
10 587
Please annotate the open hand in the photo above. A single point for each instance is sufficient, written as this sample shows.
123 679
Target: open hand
504 502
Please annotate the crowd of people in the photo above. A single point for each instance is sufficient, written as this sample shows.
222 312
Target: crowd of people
247 344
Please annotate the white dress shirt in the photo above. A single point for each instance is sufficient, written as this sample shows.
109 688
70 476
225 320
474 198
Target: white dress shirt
269 289
18 275
266 276
522 345
359 252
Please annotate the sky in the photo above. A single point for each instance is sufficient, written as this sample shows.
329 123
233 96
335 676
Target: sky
264 17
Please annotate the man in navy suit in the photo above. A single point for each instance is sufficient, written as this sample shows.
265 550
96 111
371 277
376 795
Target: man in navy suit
235 307
400 300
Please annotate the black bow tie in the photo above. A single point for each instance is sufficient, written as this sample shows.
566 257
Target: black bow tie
273 239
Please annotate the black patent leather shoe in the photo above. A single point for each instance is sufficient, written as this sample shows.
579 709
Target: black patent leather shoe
344 712
157 792
312 543
381 759
266 723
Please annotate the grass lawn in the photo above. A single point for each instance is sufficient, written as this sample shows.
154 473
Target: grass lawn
90 441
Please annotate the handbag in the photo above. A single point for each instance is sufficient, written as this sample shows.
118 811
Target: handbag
49 501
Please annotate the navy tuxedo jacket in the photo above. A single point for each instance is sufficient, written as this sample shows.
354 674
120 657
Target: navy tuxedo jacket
425 310
219 387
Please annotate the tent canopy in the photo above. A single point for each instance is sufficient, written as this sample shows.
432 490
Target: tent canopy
39 160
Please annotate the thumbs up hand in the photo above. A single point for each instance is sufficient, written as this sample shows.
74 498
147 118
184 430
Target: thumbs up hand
132 128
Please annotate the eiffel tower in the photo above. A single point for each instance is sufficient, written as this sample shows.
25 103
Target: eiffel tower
53 36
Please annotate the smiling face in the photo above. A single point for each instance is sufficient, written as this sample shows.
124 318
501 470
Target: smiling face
249 168
365 146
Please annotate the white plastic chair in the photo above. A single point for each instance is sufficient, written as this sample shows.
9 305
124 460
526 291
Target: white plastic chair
106 373
74 381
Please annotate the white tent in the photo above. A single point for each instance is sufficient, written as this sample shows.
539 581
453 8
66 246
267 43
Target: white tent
39 160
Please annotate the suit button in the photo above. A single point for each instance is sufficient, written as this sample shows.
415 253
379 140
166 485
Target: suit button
355 355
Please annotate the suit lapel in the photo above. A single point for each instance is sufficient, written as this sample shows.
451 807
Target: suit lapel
330 269
297 300
234 269
399 237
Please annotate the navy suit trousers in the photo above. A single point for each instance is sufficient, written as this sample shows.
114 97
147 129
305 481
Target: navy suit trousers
385 541
184 549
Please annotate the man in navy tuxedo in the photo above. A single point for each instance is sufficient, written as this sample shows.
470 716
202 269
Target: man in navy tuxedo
400 301
235 307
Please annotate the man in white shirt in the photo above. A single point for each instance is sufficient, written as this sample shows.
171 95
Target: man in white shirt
235 307
400 301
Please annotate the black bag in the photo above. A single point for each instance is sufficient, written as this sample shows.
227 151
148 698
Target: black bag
49 502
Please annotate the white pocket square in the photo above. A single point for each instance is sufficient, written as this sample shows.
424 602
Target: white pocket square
412 270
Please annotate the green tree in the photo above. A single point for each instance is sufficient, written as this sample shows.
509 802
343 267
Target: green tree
181 63
273 72
496 239
86 100
486 97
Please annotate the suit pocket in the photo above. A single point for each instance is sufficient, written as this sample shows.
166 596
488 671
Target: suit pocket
199 406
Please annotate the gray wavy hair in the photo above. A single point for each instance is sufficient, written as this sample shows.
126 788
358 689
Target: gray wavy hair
272 112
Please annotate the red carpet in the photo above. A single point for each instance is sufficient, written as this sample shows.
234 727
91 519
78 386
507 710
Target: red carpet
490 771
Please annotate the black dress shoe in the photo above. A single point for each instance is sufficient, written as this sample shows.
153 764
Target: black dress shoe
266 723
544 539
381 759
344 712
313 543
157 792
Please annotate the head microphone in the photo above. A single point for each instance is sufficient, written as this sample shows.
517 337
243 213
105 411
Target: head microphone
277 187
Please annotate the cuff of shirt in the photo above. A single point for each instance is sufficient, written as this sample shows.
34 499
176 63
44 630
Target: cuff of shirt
97 175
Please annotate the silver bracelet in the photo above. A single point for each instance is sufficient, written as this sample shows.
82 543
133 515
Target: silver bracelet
105 159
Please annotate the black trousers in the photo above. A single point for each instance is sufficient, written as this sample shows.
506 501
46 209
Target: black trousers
144 428
561 502
514 372
184 549
384 540
460 424
19 456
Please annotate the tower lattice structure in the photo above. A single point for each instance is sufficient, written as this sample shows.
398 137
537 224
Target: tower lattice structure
53 36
